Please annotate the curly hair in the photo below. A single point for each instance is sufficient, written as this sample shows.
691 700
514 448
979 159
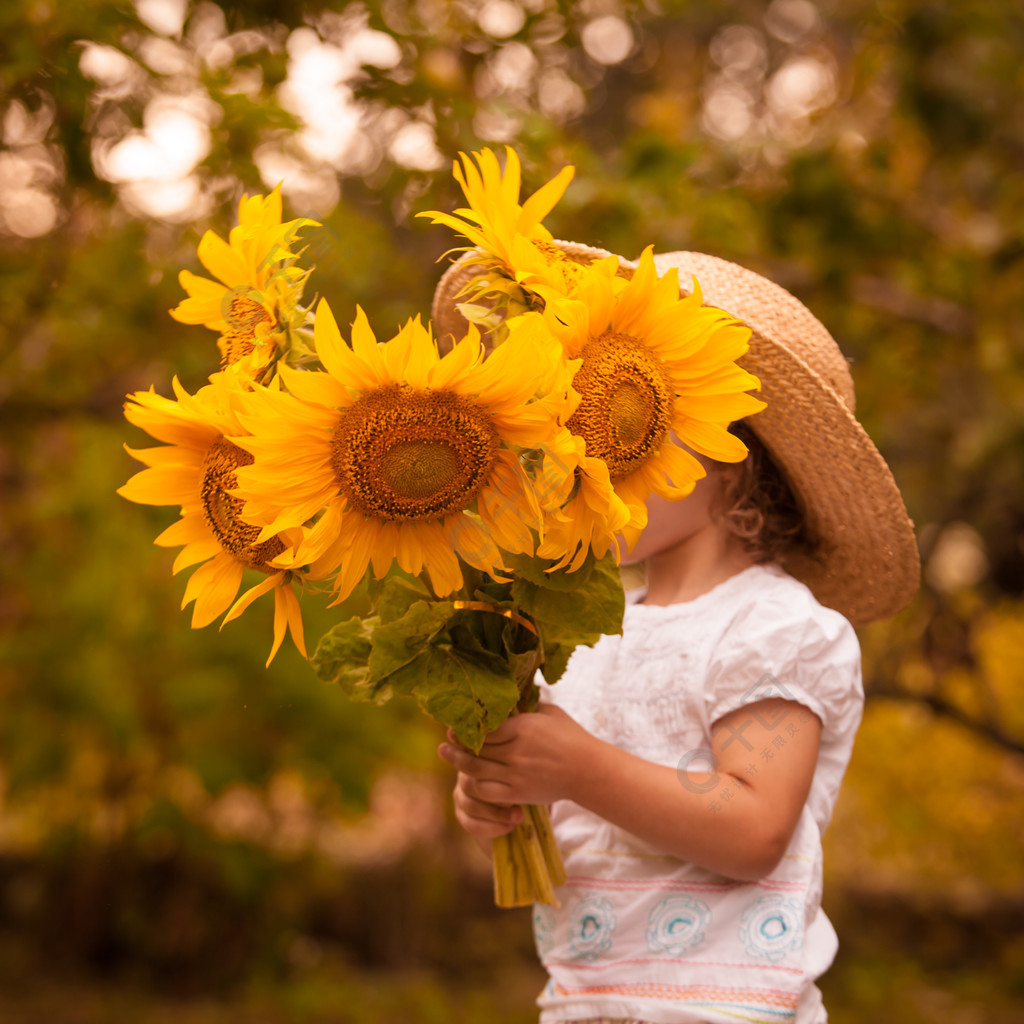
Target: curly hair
760 508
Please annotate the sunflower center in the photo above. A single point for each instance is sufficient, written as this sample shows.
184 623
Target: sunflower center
406 455
245 313
236 345
626 400
418 469
629 413
221 510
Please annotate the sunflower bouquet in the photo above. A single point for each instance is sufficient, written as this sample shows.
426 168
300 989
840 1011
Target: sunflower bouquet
466 494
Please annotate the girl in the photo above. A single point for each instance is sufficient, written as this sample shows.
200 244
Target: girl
693 762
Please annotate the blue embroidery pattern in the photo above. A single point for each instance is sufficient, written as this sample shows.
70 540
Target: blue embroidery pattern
543 928
772 927
590 932
677 924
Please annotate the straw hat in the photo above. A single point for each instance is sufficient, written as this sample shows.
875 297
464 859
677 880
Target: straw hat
867 565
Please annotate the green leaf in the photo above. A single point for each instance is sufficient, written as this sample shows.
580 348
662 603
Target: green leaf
523 654
558 648
341 657
536 571
497 593
437 653
594 608
397 594
470 692
568 618
398 643
361 603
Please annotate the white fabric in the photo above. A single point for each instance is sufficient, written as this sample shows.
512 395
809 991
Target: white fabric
641 934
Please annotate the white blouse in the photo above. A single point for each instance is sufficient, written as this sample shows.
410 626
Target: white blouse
641 934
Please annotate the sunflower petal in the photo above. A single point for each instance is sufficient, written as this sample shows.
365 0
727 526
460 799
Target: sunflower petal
356 559
286 614
162 485
441 564
261 588
712 440
221 260
197 551
205 302
212 586
544 200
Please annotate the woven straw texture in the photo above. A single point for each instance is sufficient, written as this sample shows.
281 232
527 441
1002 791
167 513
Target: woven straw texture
867 566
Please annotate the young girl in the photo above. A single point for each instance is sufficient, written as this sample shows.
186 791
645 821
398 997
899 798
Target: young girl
693 762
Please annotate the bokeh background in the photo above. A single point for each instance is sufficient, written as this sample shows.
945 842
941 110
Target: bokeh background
187 836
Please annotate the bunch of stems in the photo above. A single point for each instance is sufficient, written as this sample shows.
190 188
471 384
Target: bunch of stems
527 863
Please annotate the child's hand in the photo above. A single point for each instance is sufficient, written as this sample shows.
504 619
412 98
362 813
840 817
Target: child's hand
529 759
482 820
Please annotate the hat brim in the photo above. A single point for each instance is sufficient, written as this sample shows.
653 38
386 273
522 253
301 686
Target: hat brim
867 565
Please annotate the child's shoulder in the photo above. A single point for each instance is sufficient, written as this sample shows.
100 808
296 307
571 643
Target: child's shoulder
772 590
767 591
766 595
760 605
772 611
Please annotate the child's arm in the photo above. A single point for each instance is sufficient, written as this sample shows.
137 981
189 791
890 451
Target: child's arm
736 820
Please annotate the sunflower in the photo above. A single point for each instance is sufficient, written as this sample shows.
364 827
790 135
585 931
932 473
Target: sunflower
410 456
582 511
254 303
196 469
655 369
512 247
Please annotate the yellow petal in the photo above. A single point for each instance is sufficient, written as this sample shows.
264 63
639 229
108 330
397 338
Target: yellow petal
384 547
681 467
712 440
205 304
212 587
351 571
189 529
721 407
457 363
441 563
286 614
350 369
163 485
409 552
473 544
197 551
365 346
544 200
222 261
410 355
251 595
315 387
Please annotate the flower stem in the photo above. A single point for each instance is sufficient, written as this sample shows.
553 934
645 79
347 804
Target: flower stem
527 863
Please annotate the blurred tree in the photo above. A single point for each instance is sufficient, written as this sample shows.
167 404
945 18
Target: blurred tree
863 154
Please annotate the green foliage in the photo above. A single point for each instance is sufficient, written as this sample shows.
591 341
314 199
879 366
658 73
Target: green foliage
570 608
469 662
342 657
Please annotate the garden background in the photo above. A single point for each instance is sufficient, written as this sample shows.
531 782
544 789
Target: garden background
187 836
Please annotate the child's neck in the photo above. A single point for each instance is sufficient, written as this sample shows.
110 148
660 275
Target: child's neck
694 566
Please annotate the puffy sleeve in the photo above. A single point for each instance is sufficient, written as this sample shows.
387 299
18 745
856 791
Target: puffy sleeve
784 644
